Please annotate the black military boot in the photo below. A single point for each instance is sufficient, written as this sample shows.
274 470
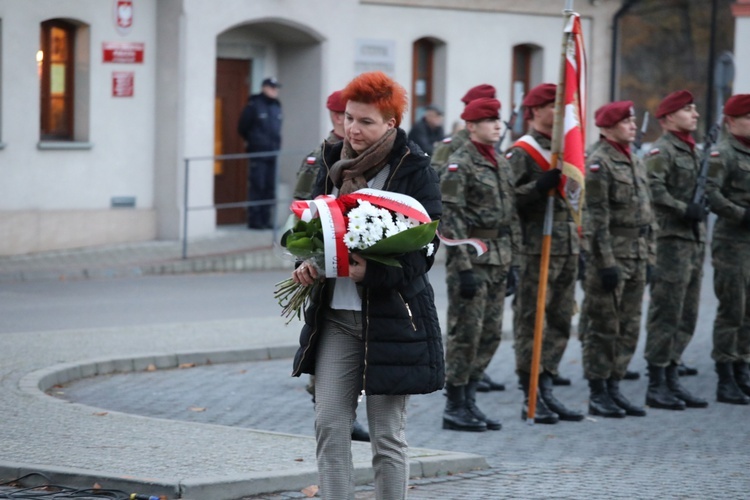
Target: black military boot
658 394
471 405
613 388
728 391
456 416
631 375
684 370
742 376
545 390
673 382
542 414
600 403
560 380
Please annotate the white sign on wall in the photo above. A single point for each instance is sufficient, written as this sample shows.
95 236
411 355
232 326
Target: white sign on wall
375 55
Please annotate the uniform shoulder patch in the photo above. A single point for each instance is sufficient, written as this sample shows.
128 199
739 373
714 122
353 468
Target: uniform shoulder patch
447 140
594 167
311 160
508 155
653 152
715 154
452 167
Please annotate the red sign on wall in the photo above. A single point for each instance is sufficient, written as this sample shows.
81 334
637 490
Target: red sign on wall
123 83
122 52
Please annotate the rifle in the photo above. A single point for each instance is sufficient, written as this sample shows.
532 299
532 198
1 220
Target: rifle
638 142
699 195
509 124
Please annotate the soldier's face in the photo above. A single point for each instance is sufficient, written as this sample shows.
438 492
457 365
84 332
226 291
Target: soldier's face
623 132
544 116
364 125
684 119
485 131
739 125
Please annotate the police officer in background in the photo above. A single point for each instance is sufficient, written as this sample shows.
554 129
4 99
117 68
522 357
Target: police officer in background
533 179
619 223
260 127
477 196
728 191
673 166
313 163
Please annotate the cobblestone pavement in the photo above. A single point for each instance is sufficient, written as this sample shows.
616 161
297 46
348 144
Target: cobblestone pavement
698 453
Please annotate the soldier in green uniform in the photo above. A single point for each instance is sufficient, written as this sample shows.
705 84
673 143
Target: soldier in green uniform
619 224
728 191
478 203
449 145
673 166
533 179
313 162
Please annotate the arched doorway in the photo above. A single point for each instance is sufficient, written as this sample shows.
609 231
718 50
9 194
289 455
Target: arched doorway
246 54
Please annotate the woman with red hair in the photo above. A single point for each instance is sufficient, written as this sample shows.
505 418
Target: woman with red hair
375 332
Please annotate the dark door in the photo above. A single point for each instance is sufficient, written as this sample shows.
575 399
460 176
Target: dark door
230 176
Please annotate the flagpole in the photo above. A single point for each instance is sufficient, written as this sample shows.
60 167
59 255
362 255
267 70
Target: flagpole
541 299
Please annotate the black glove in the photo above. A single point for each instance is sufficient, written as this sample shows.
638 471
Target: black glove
695 212
746 219
511 286
610 277
649 273
467 284
581 266
548 180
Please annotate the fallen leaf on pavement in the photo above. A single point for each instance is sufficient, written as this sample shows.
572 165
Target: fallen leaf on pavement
187 365
310 491
196 409
101 413
151 368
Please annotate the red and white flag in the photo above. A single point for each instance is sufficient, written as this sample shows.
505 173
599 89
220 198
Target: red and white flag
574 132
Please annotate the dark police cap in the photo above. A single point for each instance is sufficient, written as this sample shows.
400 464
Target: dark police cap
674 102
613 113
483 90
271 82
480 109
737 105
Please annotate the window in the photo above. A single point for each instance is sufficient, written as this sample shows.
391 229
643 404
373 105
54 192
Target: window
527 63
56 71
422 77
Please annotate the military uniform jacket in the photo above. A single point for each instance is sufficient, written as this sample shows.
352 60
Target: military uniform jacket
446 148
478 197
618 200
531 205
308 171
728 188
673 172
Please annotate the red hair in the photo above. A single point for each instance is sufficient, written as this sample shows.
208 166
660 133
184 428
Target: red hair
378 89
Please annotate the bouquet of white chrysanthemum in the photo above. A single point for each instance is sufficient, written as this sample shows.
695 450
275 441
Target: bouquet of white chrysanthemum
378 225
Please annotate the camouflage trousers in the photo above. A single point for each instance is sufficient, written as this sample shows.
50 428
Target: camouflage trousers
731 261
675 296
559 309
612 320
474 325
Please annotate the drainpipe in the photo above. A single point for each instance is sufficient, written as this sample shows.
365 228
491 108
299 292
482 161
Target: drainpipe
615 32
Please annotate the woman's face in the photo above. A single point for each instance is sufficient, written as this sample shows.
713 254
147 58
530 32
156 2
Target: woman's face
364 125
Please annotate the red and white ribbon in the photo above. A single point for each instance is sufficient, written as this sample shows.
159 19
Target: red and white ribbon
478 244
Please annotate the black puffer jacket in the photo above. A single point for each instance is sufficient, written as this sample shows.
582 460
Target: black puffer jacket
260 123
402 349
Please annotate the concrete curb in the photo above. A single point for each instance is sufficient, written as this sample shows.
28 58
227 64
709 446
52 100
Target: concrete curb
423 463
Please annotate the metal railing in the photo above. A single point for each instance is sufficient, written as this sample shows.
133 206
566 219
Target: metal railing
273 202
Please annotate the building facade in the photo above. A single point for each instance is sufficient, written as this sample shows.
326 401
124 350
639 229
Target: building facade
103 101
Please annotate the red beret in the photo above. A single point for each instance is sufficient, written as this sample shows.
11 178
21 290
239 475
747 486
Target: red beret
611 114
483 90
538 96
335 103
674 102
479 109
737 105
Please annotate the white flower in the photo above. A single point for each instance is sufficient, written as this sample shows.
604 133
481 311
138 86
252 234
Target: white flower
430 249
351 240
